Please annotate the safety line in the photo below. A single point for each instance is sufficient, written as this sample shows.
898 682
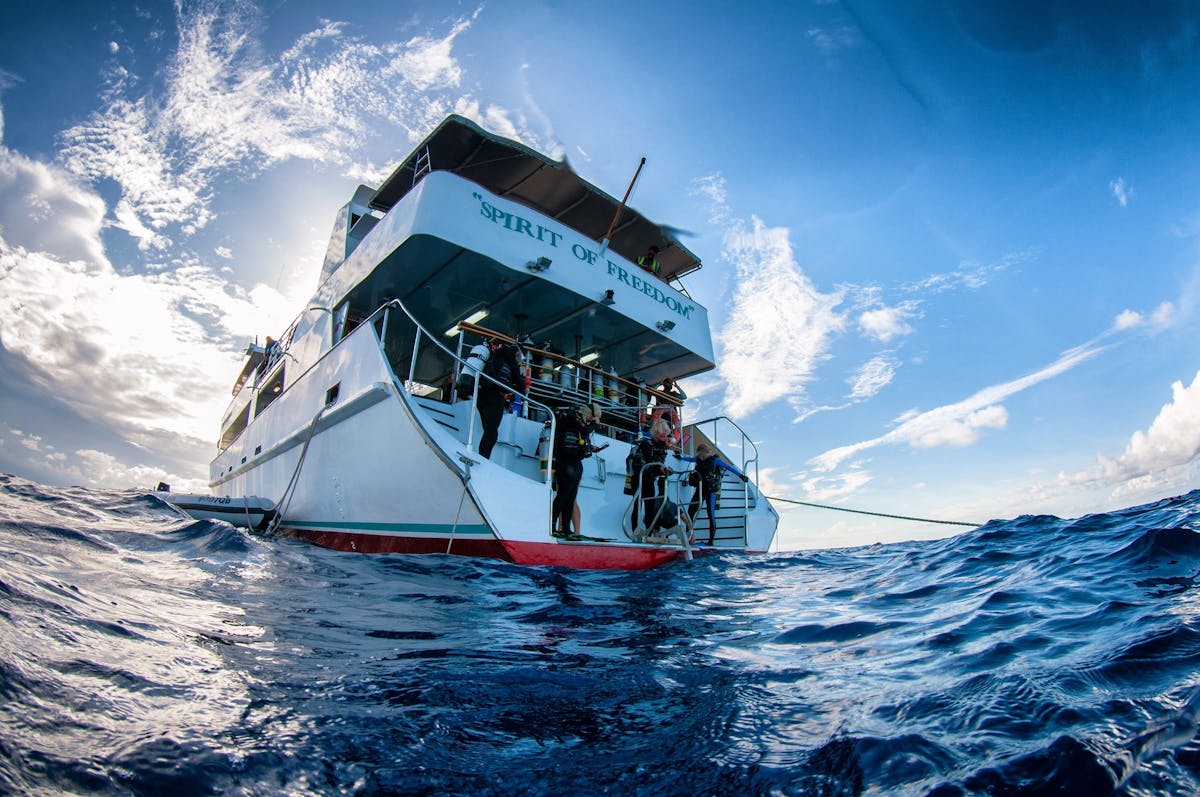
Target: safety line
876 514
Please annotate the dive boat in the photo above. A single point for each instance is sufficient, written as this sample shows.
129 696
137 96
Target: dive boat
350 427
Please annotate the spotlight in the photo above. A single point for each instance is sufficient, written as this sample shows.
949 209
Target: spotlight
541 264
608 297
665 326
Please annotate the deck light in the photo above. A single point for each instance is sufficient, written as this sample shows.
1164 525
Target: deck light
473 318
587 358
665 326
541 264
608 298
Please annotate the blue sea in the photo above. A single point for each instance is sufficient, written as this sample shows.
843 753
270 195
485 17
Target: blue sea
145 653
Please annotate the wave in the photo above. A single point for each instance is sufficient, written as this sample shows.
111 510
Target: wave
148 653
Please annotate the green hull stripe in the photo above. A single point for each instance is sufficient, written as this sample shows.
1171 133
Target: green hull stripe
403 528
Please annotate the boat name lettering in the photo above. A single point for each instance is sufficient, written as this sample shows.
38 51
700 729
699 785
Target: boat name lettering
650 289
212 499
515 223
511 221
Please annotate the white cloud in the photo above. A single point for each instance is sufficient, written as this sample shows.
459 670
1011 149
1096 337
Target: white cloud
1152 457
713 189
140 350
228 105
873 376
960 423
128 221
969 275
885 323
831 41
1163 317
780 325
824 489
961 430
44 209
224 252
1121 191
427 62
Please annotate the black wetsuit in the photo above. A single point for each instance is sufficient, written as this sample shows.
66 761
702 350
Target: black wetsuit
504 365
652 454
571 447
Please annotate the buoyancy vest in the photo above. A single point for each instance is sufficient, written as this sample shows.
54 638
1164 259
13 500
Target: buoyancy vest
710 474
571 438
651 264
504 367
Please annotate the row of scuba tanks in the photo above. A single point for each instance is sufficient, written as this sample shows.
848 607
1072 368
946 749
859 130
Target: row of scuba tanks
602 386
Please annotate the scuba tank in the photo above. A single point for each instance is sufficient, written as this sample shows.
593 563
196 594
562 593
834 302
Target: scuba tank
543 448
598 381
633 467
546 365
466 378
611 390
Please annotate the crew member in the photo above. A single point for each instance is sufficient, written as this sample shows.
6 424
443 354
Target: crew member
649 262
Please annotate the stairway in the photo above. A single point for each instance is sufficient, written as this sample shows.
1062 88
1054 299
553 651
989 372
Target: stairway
730 514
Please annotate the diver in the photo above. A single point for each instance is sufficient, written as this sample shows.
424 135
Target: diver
706 478
572 445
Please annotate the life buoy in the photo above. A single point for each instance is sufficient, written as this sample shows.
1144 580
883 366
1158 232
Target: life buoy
669 414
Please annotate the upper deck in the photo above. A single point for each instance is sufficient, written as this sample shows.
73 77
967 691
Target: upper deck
452 249
551 188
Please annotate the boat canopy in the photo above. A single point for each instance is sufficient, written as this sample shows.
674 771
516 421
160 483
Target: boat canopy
514 171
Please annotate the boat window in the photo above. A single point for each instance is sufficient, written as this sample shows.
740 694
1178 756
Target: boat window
270 390
235 427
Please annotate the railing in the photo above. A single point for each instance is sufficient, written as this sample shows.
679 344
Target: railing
385 314
744 443
722 428
559 379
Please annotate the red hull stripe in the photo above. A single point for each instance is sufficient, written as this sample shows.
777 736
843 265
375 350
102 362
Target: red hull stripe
470 529
394 543
589 557
579 555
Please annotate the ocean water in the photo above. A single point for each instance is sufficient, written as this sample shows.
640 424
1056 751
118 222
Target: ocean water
145 653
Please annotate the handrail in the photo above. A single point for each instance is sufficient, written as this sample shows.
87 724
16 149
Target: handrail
684 533
746 462
747 446
654 393
632 416
459 362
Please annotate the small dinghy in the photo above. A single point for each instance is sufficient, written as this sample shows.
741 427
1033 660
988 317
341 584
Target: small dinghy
245 512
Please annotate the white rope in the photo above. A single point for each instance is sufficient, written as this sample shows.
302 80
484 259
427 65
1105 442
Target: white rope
286 499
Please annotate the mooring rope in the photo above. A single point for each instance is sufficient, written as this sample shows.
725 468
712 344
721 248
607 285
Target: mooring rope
875 514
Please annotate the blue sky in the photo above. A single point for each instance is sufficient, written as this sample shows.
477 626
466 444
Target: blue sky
951 249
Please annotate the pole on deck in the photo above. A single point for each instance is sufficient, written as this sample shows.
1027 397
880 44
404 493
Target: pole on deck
617 215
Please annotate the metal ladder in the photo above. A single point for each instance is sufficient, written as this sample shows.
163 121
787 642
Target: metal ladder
422 166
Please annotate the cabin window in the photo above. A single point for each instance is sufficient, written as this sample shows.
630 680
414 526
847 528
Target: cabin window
331 395
270 391
235 427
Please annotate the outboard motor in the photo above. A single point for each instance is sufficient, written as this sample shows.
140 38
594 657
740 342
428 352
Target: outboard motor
466 379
